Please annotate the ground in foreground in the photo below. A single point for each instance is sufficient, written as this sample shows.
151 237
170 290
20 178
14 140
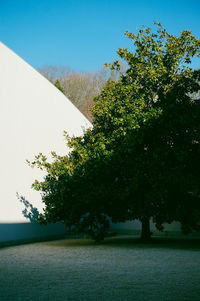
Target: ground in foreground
118 269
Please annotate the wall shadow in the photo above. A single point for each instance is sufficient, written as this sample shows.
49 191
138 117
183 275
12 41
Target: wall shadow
27 230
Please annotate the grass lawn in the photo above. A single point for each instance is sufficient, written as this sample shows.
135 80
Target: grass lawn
120 268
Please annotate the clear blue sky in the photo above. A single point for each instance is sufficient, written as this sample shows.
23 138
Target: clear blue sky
85 34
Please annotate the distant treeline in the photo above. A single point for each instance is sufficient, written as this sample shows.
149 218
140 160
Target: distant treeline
80 87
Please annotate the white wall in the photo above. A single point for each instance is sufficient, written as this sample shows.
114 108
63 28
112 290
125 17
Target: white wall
33 116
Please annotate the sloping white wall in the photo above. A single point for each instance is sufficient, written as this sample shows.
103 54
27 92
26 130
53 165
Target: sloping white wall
33 116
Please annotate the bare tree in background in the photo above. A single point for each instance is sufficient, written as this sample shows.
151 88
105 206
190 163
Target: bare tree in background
80 87
52 72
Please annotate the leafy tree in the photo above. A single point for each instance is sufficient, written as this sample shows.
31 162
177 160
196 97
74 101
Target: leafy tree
157 85
140 160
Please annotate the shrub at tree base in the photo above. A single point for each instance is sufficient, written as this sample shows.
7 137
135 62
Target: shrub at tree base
141 158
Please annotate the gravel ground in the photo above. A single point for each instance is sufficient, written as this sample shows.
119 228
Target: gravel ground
118 269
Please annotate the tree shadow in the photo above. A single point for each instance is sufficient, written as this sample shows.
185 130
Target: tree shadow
132 242
29 212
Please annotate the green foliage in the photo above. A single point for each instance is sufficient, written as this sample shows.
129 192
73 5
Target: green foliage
141 158
58 86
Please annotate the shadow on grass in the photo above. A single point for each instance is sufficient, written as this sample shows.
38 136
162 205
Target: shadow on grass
132 243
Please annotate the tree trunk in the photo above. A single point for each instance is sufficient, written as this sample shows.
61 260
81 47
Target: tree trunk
146 233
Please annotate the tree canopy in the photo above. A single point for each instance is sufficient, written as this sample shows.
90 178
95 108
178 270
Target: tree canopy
141 158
